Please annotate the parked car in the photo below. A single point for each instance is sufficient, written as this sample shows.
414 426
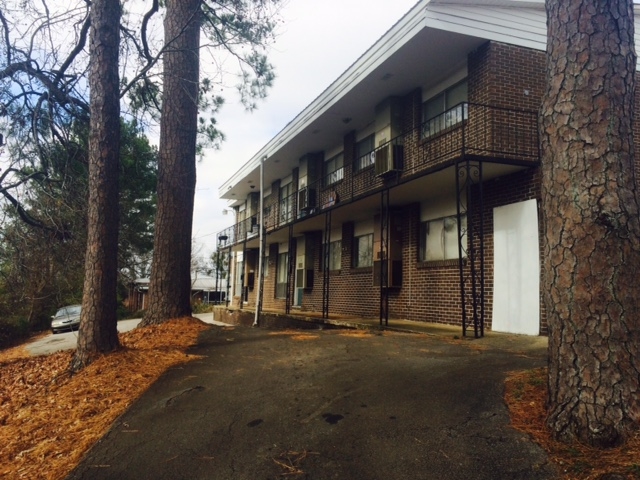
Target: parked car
66 319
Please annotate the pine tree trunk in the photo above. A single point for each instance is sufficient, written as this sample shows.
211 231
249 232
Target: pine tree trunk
170 282
98 324
592 231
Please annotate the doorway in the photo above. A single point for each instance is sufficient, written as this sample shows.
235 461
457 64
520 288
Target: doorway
516 269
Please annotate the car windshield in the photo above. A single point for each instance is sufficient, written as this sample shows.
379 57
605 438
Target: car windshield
66 311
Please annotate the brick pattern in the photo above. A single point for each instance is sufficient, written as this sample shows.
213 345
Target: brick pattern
269 300
507 76
500 76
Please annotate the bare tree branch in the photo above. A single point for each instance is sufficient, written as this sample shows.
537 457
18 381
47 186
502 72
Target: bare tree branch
78 48
5 27
143 31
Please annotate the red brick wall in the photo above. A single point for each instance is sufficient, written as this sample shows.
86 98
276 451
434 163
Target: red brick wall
350 289
506 76
499 75
269 300
430 290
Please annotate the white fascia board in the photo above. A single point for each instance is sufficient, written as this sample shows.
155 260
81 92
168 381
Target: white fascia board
516 22
492 23
447 15
493 3
391 41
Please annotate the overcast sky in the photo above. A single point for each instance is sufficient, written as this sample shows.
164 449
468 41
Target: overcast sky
318 42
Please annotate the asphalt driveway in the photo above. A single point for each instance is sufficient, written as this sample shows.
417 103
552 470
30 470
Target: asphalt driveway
327 404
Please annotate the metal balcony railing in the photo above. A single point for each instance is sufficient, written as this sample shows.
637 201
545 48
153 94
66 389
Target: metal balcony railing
484 132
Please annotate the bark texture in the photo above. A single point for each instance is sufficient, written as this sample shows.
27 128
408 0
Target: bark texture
592 231
170 282
98 333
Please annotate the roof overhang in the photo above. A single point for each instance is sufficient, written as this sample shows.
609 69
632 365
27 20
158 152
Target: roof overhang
441 33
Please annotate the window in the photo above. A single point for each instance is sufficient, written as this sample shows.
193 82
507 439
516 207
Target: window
445 110
365 153
335 255
334 169
265 263
239 283
286 203
363 251
282 272
439 238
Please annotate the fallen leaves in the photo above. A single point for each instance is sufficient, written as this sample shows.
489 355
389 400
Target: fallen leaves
525 395
295 335
49 419
291 461
357 333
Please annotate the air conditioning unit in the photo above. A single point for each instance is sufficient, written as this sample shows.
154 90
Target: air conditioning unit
306 199
388 159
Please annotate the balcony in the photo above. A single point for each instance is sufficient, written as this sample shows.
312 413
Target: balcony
467 131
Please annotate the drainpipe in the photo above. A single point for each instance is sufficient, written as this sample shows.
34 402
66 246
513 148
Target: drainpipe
260 251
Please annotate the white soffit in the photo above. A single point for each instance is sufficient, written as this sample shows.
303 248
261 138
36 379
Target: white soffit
517 22
405 29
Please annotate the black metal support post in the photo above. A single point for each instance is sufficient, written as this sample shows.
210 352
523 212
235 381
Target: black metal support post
290 270
262 250
243 273
384 257
216 301
469 199
325 264
226 296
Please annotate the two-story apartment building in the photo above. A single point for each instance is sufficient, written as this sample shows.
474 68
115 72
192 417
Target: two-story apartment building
410 187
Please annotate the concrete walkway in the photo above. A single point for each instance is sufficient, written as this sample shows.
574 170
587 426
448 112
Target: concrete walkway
328 404
314 321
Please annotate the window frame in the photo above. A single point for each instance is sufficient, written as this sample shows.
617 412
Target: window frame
451 113
336 174
335 255
365 153
286 203
282 269
238 281
265 263
423 244
357 256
